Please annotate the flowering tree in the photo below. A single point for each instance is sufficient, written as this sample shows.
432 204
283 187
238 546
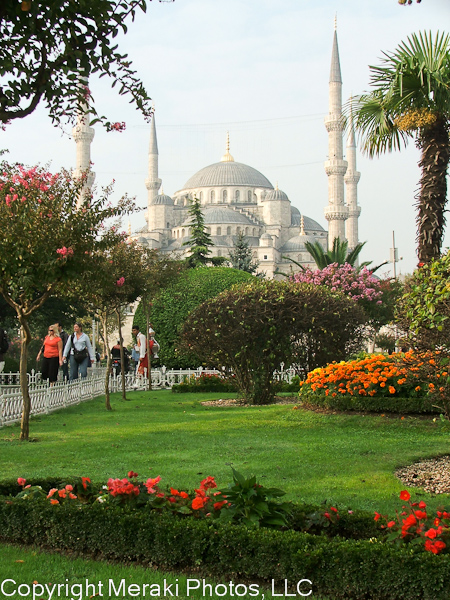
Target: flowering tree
116 277
46 46
46 243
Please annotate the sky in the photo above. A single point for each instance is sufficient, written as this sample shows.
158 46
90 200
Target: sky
258 69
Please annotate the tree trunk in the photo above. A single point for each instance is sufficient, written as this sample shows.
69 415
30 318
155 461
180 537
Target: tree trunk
433 143
25 336
149 353
104 322
122 362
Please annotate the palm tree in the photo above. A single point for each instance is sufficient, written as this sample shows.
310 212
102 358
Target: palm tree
411 100
338 254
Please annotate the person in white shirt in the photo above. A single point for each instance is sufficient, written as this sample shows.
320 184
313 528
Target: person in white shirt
141 343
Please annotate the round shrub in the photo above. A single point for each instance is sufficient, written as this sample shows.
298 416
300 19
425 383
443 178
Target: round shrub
172 306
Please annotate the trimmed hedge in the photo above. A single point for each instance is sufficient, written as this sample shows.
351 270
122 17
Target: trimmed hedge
341 568
380 404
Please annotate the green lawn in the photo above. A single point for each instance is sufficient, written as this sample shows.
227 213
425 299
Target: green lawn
346 459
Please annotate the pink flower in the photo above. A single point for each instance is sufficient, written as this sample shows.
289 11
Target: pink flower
150 483
120 282
21 481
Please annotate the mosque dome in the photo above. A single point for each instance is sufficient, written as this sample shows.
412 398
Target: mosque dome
163 199
228 173
221 215
297 243
276 194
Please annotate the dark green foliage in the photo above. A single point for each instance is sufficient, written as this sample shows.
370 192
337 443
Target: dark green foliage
171 308
338 254
253 504
241 257
199 241
337 567
46 46
378 404
254 327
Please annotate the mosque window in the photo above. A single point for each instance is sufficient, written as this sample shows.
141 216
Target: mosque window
265 257
200 196
208 230
224 195
212 195
249 195
168 225
182 233
219 231
219 253
228 230
254 232
246 231
238 230
237 195
178 234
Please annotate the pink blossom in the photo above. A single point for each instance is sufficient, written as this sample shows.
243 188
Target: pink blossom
120 282
64 251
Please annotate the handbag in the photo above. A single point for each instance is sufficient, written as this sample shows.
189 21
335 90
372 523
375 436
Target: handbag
78 355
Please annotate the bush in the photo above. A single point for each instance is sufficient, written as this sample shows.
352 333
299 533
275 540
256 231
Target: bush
172 306
394 383
337 566
204 383
424 309
252 328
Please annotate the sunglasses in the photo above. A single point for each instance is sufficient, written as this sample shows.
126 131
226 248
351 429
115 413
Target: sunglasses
50 330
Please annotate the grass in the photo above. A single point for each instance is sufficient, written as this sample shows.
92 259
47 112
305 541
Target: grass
345 459
86 579
348 460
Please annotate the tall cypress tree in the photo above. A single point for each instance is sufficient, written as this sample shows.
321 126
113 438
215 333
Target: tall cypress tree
199 241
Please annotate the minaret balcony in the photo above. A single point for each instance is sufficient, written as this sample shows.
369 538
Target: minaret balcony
336 212
336 167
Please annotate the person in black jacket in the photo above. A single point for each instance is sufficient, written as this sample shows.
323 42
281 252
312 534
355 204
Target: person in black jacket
4 345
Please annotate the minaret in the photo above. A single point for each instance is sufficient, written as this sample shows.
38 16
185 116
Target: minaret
152 183
351 179
335 167
83 136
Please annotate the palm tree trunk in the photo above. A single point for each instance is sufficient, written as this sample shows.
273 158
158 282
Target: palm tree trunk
433 143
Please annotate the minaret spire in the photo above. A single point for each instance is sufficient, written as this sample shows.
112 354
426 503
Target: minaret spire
351 179
153 182
335 167
83 136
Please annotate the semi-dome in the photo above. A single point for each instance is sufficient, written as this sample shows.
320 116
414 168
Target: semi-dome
221 215
309 224
276 194
226 173
297 243
163 199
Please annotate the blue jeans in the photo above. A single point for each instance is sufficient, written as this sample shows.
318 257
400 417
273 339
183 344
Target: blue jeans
77 369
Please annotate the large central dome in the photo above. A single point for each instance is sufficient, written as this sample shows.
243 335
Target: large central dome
228 173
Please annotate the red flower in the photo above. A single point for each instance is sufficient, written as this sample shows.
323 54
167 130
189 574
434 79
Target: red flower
405 495
85 481
21 481
391 524
54 501
132 474
199 502
377 516
184 495
208 483
434 546
431 533
150 483
218 505
420 514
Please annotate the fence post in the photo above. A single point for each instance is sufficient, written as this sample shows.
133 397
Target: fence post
1 410
47 399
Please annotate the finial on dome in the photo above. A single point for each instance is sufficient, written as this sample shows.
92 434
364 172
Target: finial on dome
276 186
162 191
302 226
227 156
335 22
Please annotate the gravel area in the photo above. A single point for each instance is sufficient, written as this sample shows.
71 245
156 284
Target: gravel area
432 475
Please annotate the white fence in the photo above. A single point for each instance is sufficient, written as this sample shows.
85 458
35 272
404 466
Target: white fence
46 398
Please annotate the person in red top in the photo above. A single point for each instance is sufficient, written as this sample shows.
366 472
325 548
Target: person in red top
52 350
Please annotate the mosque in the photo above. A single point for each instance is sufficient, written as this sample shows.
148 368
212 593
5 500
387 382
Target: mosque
237 198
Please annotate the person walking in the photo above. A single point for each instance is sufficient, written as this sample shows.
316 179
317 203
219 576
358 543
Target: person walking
141 343
79 350
4 345
64 337
52 355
